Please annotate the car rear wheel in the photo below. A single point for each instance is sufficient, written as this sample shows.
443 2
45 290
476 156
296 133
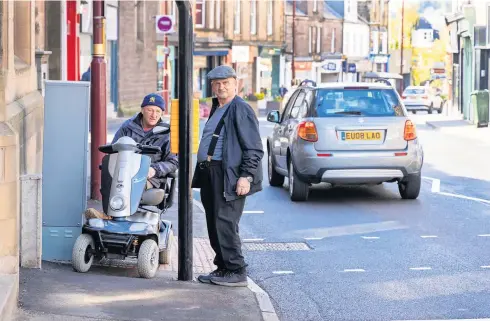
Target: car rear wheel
410 187
414 112
441 108
275 179
298 190
430 108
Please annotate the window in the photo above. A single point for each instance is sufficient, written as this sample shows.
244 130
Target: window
237 16
211 14
315 5
218 14
253 17
319 39
270 9
310 39
140 20
200 13
298 103
332 44
346 102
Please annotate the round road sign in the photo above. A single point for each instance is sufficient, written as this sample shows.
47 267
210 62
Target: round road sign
164 24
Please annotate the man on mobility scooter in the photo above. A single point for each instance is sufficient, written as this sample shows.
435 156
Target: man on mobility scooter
137 187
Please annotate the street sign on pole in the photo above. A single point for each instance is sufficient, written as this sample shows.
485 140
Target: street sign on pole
164 24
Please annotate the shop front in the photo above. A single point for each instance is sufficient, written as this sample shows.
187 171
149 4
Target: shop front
328 70
267 68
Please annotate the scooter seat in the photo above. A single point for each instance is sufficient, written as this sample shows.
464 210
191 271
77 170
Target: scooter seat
152 197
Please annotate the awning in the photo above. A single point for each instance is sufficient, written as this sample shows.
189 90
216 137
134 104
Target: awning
210 52
379 75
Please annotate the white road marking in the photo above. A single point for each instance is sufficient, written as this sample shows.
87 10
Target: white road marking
199 205
354 270
476 199
436 184
423 268
484 235
428 236
370 237
282 272
252 240
485 266
362 229
253 212
436 188
313 238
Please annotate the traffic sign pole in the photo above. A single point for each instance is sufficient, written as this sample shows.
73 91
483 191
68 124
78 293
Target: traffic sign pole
185 119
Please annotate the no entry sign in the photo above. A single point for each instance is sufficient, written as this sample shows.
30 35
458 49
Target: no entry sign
164 24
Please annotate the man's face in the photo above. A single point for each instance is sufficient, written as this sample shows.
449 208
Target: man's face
224 88
151 115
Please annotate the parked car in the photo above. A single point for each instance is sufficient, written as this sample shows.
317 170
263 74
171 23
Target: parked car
354 133
419 98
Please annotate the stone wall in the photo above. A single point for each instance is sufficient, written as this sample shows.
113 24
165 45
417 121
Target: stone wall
137 57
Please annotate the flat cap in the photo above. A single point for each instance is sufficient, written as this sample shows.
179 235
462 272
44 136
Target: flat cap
222 72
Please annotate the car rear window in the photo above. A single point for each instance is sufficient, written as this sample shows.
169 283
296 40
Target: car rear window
357 102
414 91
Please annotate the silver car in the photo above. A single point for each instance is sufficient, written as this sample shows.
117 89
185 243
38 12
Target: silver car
419 98
353 133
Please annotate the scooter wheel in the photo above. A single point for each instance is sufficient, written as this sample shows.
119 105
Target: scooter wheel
166 255
148 259
81 260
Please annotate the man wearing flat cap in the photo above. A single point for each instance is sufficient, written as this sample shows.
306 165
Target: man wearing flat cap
147 128
228 169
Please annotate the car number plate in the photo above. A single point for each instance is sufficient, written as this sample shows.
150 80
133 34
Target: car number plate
361 135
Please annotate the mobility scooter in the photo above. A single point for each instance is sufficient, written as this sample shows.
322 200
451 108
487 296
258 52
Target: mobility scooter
135 228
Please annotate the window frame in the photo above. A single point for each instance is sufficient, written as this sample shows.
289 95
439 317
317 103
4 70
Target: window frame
236 17
203 14
253 17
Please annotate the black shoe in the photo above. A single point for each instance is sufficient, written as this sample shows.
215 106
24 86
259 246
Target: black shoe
231 278
207 278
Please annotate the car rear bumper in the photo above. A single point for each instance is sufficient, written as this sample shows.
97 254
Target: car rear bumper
353 167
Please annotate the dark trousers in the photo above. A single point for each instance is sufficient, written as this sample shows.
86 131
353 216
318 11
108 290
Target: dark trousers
222 219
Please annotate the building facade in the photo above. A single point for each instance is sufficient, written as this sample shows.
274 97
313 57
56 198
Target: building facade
466 50
136 54
355 43
256 31
21 128
318 37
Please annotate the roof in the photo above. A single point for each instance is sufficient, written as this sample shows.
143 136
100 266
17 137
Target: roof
422 23
340 85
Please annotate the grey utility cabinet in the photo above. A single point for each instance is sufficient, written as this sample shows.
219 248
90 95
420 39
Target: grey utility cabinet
64 193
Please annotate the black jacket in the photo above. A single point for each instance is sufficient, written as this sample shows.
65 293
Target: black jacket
164 162
242 148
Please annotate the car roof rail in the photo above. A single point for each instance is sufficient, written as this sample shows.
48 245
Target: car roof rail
306 81
384 81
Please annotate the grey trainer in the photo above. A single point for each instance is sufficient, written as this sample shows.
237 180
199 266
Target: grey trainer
231 278
206 278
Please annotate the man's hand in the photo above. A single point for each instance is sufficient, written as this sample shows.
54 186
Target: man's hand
151 172
242 186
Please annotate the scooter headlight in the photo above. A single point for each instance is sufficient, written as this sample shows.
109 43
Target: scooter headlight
117 203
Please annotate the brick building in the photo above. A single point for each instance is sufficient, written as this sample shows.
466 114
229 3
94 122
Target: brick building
137 58
318 40
21 128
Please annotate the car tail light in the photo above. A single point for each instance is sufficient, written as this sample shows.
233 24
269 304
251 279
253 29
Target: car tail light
425 97
404 97
410 131
307 131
